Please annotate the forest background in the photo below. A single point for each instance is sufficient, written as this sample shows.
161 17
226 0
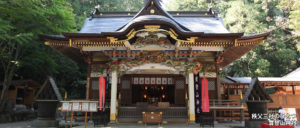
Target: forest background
23 54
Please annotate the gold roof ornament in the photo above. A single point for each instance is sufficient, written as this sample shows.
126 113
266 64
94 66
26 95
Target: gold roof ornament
152 28
152 11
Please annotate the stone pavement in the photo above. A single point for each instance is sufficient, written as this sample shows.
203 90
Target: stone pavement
22 124
227 125
27 124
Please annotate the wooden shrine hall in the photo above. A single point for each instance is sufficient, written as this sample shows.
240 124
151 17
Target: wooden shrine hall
155 60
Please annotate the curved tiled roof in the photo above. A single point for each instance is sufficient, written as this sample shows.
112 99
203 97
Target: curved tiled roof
195 24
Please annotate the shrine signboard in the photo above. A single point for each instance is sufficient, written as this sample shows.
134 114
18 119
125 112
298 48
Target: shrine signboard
79 106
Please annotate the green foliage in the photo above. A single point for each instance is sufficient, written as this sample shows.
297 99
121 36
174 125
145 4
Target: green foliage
279 54
21 21
69 75
124 5
81 9
186 5
241 16
295 17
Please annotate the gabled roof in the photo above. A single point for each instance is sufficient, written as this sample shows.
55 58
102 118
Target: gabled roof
293 74
49 92
256 93
268 81
247 80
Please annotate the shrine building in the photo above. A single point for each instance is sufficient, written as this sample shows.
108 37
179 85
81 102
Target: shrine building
155 60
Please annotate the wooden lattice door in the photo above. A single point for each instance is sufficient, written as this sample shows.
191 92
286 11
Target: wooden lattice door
126 92
180 91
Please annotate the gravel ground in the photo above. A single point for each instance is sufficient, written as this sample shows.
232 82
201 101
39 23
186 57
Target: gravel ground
23 124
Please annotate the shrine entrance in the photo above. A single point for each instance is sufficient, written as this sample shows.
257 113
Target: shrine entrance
152 89
152 94
163 93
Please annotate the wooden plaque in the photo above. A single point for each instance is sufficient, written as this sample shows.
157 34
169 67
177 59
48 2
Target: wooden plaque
76 106
135 80
153 80
85 106
147 80
158 80
170 80
164 80
93 107
65 106
141 80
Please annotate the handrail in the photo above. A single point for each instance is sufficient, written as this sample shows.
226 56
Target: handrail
225 103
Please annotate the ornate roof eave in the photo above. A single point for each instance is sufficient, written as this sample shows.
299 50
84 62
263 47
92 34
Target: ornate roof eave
53 37
242 46
237 38
253 36
73 53
194 39
69 46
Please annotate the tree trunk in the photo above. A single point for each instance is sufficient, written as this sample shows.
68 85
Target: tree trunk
9 72
6 83
3 96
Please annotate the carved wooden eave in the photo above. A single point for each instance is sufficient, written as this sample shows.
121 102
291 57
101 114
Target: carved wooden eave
242 46
79 40
111 40
233 47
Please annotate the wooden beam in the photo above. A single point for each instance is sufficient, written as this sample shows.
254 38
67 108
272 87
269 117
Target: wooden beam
41 89
253 93
293 87
88 79
218 83
262 91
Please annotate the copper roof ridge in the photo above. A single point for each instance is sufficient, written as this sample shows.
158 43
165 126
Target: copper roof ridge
150 8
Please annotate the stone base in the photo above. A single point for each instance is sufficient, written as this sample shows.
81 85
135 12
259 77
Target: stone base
38 123
192 123
243 123
112 123
253 123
